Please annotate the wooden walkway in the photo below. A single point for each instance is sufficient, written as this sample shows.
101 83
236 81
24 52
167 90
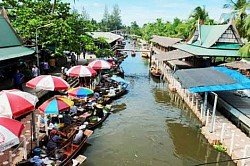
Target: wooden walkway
236 142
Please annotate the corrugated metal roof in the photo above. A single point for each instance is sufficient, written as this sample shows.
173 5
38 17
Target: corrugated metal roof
200 51
171 55
8 36
110 37
14 52
212 79
165 41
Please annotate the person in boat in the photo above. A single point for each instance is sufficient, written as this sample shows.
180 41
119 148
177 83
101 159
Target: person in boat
99 110
67 118
73 110
112 91
55 140
79 136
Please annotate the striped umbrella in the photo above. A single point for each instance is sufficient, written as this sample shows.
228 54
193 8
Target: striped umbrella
48 82
10 131
56 105
81 71
15 103
80 92
99 64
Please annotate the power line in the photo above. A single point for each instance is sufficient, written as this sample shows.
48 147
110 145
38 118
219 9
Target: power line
222 161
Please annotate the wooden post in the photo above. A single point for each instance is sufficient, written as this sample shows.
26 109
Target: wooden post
10 158
222 132
213 114
232 144
207 117
25 148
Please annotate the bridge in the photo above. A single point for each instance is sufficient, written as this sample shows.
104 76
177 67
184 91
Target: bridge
135 50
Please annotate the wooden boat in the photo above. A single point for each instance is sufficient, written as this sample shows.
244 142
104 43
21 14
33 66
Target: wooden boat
144 55
70 150
94 125
120 92
155 72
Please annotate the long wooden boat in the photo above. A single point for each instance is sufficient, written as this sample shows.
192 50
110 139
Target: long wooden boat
120 93
94 125
70 151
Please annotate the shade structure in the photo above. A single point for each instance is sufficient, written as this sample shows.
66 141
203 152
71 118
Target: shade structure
99 64
81 71
56 105
48 82
119 79
80 92
15 103
10 131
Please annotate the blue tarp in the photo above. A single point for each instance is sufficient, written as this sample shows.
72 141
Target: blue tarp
242 82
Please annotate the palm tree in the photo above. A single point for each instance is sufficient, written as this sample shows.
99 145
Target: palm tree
238 8
200 13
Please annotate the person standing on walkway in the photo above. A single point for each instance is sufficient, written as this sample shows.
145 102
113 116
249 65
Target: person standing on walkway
73 58
17 80
83 53
35 71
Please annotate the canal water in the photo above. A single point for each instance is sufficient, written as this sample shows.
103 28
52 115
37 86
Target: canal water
150 126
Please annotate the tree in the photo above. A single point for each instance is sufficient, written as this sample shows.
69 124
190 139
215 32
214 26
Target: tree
200 14
115 18
104 25
238 8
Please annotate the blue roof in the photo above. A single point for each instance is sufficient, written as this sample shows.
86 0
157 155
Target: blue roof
242 82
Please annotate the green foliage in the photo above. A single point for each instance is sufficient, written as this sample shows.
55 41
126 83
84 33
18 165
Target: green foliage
219 148
67 31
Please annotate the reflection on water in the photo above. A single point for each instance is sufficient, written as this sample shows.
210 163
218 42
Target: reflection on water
151 126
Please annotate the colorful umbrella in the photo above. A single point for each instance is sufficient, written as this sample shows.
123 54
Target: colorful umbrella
100 64
48 82
81 71
15 103
80 92
10 131
56 105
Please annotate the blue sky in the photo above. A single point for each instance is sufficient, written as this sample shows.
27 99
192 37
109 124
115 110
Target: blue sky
145 11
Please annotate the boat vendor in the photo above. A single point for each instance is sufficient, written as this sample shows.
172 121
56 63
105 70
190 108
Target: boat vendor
73 110
111 91
99 110
67 119
55 140
79 136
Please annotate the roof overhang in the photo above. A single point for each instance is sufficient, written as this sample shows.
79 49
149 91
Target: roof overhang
172 55
206 52
14 52
212 79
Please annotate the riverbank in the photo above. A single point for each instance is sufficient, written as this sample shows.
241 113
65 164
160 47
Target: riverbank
224 132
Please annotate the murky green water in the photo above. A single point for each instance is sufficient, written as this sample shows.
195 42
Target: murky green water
149 127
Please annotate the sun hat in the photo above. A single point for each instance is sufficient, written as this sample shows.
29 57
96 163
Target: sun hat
99 106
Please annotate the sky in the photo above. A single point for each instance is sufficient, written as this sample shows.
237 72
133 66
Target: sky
146 11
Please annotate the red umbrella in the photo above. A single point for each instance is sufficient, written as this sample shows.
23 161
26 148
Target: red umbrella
10 131
48 82
81 71
15 103
100 64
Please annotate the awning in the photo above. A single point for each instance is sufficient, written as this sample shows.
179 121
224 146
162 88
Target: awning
172 55
212 79
242 65
207 52
14 52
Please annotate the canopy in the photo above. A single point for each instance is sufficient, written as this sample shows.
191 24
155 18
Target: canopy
172 55
80 92
81 71
119 79
212 79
